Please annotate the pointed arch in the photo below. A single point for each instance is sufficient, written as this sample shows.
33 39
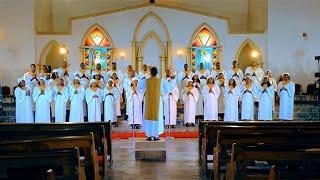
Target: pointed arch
144 18
45 51
148 36
243 54
98 27
201 27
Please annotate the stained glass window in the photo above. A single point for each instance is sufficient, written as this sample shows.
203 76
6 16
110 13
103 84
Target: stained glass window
204 49
97 48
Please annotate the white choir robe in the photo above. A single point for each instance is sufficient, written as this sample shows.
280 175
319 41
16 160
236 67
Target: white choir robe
134 104
236 74
119 73
190 103
170 103
211 102
286 100
76 104
215 72
182 81
127 87
110 97
247 102
119 100
94 104
256 75
142 75
84 82
204 73
24 112
231 104
265 103
60 104
30 83
42 102
199 107
221 99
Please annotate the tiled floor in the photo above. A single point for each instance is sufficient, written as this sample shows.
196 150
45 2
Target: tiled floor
182 162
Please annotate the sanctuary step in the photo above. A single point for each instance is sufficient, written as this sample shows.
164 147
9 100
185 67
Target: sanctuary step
150 150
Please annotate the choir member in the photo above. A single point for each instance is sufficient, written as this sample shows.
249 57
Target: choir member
266 94
77 94
134 104
170 98
64 72
115 70
127 85
248 95
118 84
94 99
83 71
202 73
211 93
45 72
190 97
255 72
61 96
31 77
286 90
184 77
99 79
221 82
235 73
197 84
145 73
22 94
42 96
218 69
231 94
110 96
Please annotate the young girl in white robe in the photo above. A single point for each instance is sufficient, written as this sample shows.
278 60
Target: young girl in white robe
232 94
248 95
170 99
134 105
266 94
61 96
94 100
24 112
110 97
77 93
190 97
211 94
286 90
198 84
42 96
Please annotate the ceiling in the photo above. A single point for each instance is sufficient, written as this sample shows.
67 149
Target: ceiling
243 15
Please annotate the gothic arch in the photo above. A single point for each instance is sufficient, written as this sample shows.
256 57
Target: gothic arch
148 36
45 51
199 28
96 25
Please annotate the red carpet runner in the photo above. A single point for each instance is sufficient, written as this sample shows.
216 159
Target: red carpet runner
126 135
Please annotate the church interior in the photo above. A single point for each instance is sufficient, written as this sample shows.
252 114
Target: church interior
237 97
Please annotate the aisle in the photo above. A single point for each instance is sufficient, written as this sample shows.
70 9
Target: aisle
182 162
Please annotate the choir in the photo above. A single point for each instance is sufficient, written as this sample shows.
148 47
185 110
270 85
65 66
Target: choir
95 94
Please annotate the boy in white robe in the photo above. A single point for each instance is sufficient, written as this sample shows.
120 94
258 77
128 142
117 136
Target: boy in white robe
255 72
42 96
170 99
94 100
235 73
22 94
232 94
211 93
61 96
77 93
190 97
248 95
134 104
286 90
266 96
110 97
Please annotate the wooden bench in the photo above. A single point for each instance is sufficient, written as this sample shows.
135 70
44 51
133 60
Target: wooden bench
101 130
208 132
85 144
60 164
241 154
259 136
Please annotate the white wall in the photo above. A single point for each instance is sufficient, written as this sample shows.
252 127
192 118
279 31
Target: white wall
287 50
17 39
181 25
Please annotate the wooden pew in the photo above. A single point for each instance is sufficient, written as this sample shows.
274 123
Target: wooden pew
208 132
241 154
41 165
260 135
102 134
85 144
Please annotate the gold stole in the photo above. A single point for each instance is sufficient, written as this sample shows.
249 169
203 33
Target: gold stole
152 98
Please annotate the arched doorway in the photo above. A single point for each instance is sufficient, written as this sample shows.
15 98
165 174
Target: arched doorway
96 47
51 56
244 54
205 47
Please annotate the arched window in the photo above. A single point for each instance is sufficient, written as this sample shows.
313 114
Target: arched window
97 47
204 48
